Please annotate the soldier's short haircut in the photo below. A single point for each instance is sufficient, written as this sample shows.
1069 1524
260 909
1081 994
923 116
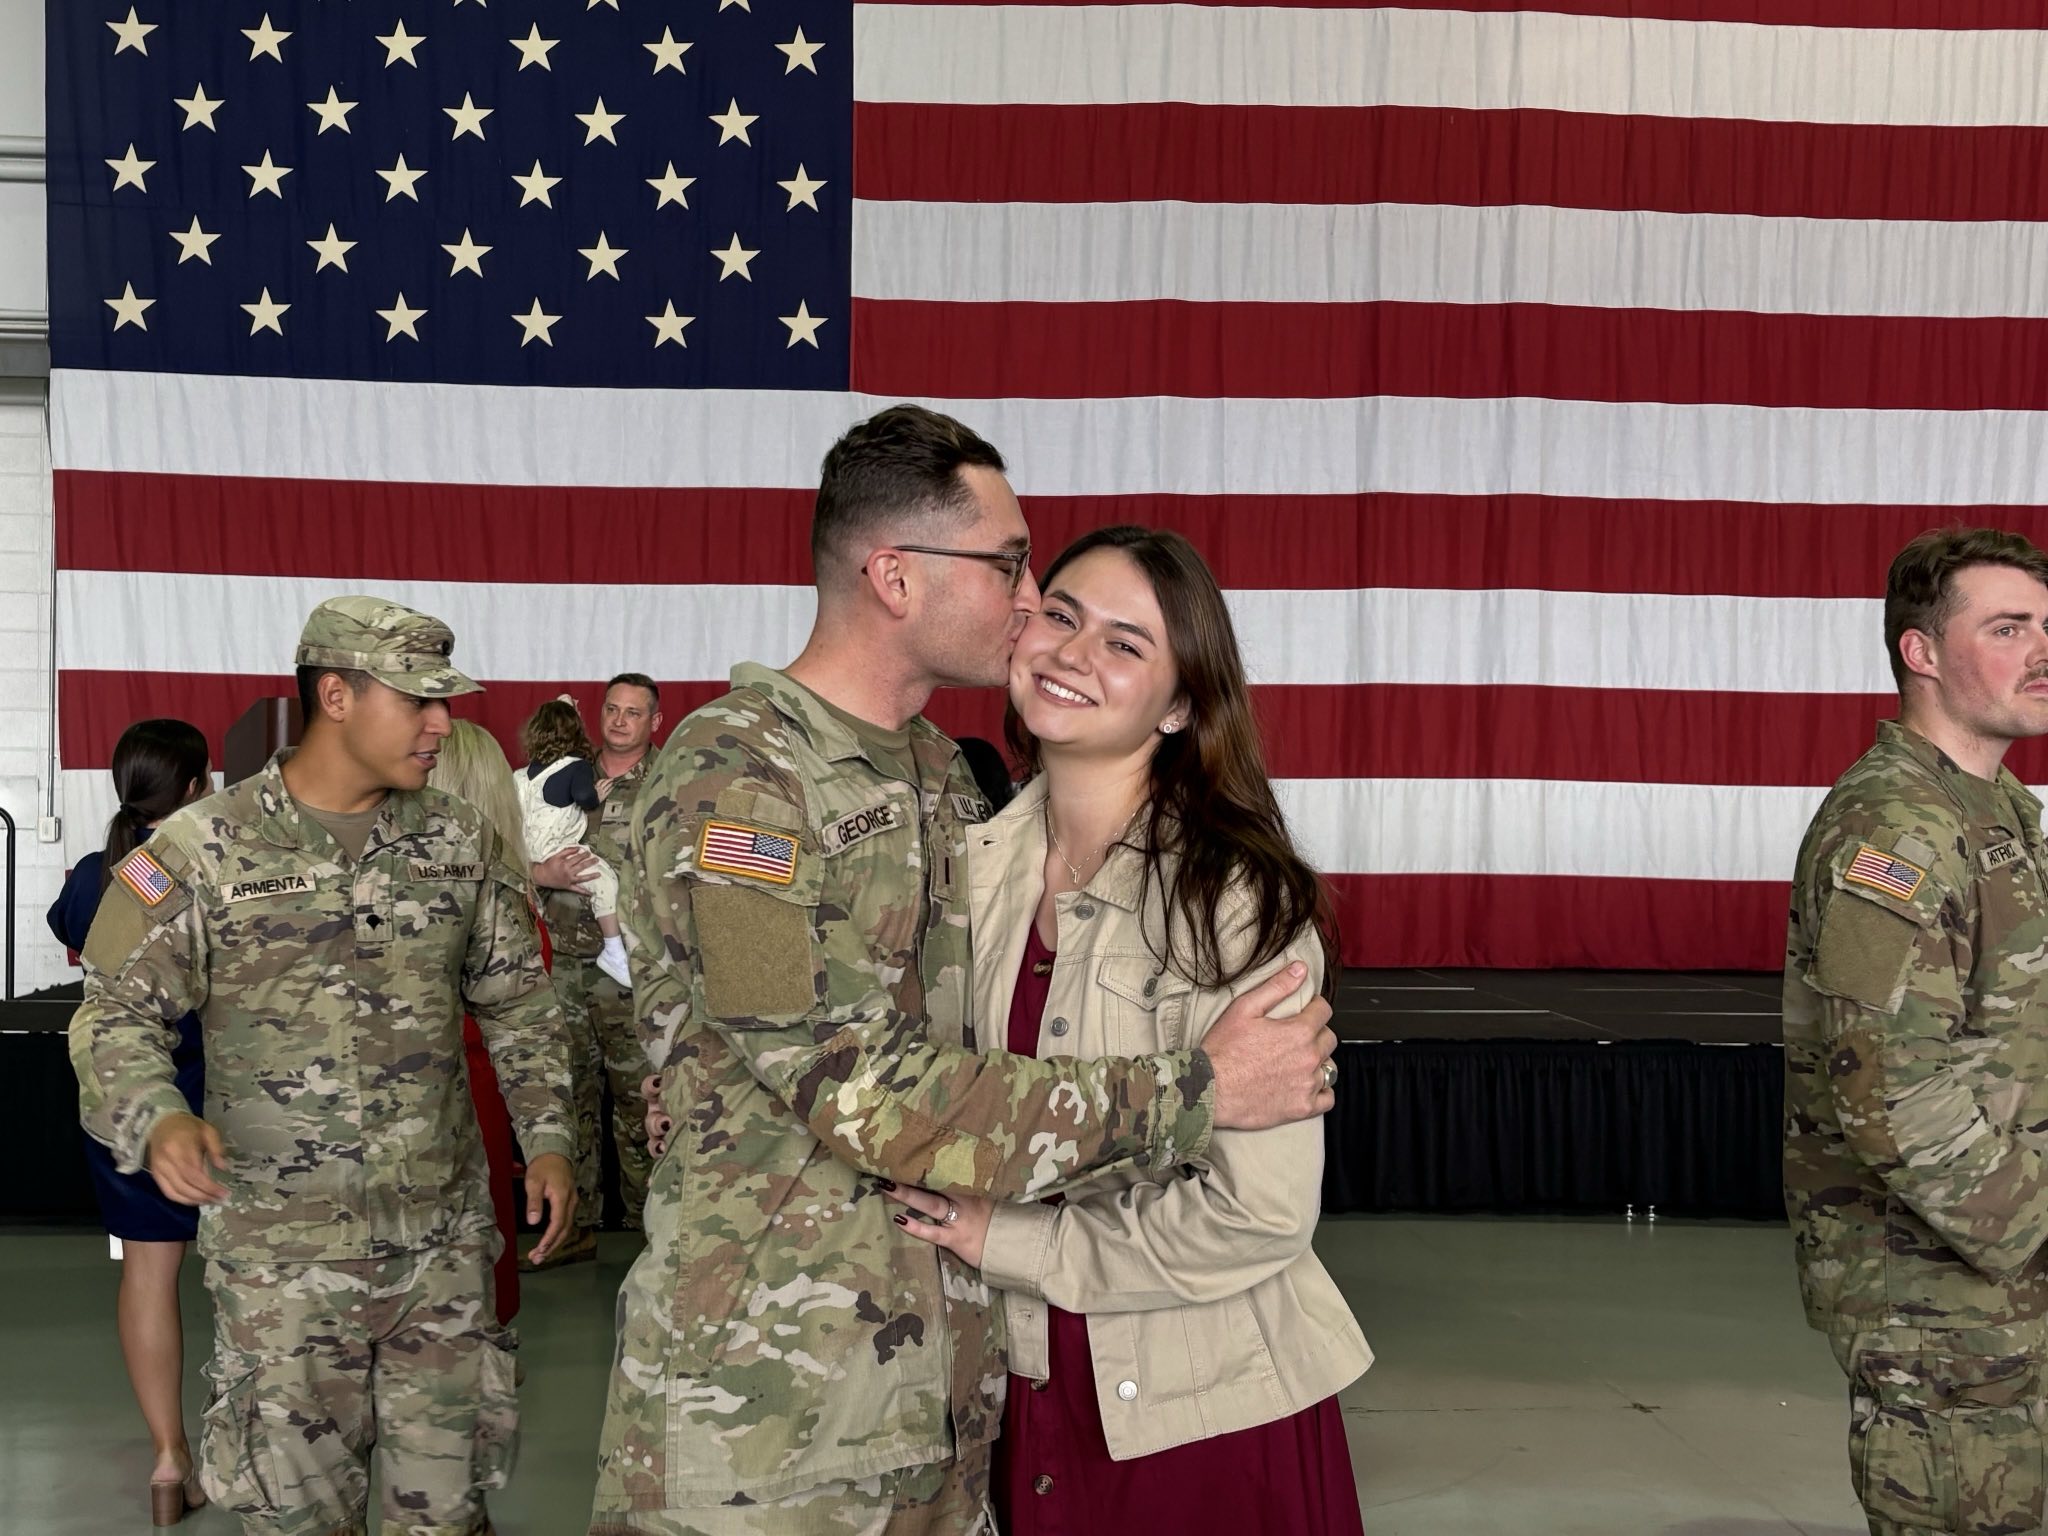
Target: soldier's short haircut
902 462
309 683
1919 591
636 680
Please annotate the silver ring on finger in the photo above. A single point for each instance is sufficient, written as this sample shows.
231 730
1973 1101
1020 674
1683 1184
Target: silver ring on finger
1330 1074
952 1215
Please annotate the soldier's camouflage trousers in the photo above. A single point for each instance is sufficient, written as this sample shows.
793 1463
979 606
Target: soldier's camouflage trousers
1946 1428
942 1499
317 1366
604 1048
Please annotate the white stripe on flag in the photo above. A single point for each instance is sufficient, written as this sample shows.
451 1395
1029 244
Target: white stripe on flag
1426 254
297 428
1318 57
1438 826
1544 827
249 624
463 434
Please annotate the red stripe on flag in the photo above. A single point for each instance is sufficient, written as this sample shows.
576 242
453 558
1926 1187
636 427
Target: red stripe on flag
93 708
1401 731
1177 151
1537 921
367 531
1930 15
1461 351
1357 731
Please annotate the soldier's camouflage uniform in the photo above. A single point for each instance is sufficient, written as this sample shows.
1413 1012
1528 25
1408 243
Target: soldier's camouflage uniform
605 1048
1916 1102
790 1360
350 1264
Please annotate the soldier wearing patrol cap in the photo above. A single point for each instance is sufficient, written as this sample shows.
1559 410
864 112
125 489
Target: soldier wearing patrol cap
1916 1055
329 920
793 1361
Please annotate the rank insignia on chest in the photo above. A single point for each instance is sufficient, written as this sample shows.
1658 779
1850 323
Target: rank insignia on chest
1882 872
728 848
148 879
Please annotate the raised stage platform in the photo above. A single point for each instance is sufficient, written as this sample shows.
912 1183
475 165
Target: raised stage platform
1458 1091
1557 1091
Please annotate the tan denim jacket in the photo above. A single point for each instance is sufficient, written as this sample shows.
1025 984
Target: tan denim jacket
1207 1311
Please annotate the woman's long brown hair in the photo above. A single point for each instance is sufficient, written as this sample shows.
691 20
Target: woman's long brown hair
155 765
1213 812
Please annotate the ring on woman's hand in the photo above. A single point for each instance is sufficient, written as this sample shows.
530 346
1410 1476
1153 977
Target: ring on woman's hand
952 1215
1330 1074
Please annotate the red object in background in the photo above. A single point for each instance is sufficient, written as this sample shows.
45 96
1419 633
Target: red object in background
495 1121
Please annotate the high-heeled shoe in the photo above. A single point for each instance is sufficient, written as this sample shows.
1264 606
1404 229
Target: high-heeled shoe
170 1502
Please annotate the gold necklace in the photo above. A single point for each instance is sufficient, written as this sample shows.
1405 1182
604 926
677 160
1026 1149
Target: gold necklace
1053 832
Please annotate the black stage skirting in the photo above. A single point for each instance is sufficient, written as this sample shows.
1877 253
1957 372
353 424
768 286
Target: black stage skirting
1457 1091
39 1131
1557 1091
1552 1125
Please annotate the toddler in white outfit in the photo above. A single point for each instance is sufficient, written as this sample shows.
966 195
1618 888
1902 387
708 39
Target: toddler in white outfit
558 789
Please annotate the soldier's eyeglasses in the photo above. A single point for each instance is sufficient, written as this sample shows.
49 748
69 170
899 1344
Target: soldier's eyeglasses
1014 561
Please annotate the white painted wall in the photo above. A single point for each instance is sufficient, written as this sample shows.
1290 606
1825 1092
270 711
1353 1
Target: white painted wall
24 280
26 719
27 534
23 287
21 66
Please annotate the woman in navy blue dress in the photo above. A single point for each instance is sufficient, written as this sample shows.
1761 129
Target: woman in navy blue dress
159 765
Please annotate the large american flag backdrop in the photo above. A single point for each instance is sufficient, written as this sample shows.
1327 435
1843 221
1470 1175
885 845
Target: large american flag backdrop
1549 387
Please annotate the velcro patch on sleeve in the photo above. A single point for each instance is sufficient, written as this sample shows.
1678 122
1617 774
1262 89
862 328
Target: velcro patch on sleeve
754 950
732 848
149 880
141 899
1885 872
1863 953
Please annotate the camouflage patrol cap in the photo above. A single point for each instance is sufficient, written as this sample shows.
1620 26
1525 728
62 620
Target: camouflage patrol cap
402 649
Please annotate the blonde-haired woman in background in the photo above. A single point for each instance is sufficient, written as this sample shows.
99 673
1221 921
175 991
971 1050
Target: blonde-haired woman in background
472 766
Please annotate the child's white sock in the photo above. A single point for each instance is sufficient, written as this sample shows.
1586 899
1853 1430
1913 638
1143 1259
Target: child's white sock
612 961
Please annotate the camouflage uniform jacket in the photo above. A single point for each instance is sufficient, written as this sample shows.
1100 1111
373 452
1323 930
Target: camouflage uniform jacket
571 924
813 1017
1916 1047
330 994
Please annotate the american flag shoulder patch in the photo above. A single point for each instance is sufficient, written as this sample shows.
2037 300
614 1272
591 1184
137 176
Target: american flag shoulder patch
732 848
148 879
1884 872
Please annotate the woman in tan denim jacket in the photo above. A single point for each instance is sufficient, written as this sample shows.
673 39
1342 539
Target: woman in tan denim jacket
1159 1308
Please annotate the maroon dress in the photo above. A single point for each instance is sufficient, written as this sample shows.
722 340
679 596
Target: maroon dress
1053 1475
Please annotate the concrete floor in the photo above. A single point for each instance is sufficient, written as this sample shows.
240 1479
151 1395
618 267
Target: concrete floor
1587 1377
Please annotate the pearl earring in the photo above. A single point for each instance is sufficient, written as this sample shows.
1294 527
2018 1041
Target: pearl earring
1169 727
